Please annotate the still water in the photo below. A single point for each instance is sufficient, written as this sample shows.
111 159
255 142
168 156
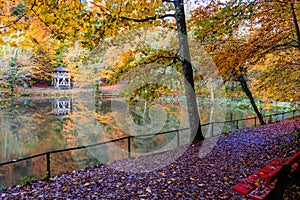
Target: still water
32 126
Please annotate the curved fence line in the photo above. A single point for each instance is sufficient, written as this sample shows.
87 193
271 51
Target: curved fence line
128 138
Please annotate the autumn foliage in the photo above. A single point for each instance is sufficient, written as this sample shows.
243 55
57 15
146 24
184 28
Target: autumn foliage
256 38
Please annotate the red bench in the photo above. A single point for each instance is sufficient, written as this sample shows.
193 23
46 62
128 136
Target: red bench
260 184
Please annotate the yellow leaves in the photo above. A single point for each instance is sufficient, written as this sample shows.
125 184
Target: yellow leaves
105 119
86 184
280 79
1 41
107 73
70 126
51 18
13 44
148 189
33 40
25 44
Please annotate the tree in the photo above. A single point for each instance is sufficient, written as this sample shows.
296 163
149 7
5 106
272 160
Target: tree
278 77
194 118
154 14
13 64
228 50
28 34
90 23
239 35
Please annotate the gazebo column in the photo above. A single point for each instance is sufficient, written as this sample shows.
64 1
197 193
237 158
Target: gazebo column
57 83
69 82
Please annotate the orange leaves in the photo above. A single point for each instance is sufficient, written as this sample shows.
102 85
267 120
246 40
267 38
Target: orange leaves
25 44
105 119
278 76
256 37
13 44
1 41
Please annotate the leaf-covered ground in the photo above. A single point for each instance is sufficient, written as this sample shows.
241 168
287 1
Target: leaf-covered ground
236 155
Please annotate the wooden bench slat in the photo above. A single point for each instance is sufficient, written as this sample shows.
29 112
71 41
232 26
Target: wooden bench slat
294 158
243 188
260 184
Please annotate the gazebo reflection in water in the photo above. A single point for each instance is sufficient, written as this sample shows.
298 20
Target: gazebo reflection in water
62 106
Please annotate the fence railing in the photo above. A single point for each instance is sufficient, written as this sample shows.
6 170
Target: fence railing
229 125
236 123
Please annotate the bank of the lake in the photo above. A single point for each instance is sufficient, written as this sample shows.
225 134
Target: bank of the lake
236 155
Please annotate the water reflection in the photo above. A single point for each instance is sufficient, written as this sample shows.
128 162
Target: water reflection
25 128
46 124
31 126
62 106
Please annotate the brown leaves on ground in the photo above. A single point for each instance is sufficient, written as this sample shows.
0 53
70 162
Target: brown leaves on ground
236 155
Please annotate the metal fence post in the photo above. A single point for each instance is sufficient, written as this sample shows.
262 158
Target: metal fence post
129 148
237 124
48 165
293 113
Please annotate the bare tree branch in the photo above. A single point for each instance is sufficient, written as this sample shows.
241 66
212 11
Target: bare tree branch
13 22
278 46
148 18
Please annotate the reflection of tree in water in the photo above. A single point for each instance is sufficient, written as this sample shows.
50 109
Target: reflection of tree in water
151 144
135 122
18 122
9 133
82 128
27 127
143 117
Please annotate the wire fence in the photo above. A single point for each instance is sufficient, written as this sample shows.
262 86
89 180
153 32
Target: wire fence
46 164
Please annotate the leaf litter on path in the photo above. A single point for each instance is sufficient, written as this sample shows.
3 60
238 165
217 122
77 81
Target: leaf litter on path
237 154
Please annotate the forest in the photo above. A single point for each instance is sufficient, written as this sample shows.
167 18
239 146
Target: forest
191 59
256 41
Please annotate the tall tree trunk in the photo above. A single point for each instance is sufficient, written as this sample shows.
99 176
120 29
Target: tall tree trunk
296 24
246 89
194 118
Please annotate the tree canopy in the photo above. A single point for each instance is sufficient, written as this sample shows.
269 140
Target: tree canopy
257 38
242 37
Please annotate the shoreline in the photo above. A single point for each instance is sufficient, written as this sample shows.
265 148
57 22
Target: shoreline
237 154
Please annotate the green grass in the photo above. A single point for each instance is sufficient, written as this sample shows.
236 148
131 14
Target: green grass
27 179
2 187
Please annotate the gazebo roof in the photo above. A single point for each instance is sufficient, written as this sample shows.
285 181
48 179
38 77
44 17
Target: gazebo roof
60 69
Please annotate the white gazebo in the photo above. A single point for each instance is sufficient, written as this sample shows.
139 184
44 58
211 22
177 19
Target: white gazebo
61 78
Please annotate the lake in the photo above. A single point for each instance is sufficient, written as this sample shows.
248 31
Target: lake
31 126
